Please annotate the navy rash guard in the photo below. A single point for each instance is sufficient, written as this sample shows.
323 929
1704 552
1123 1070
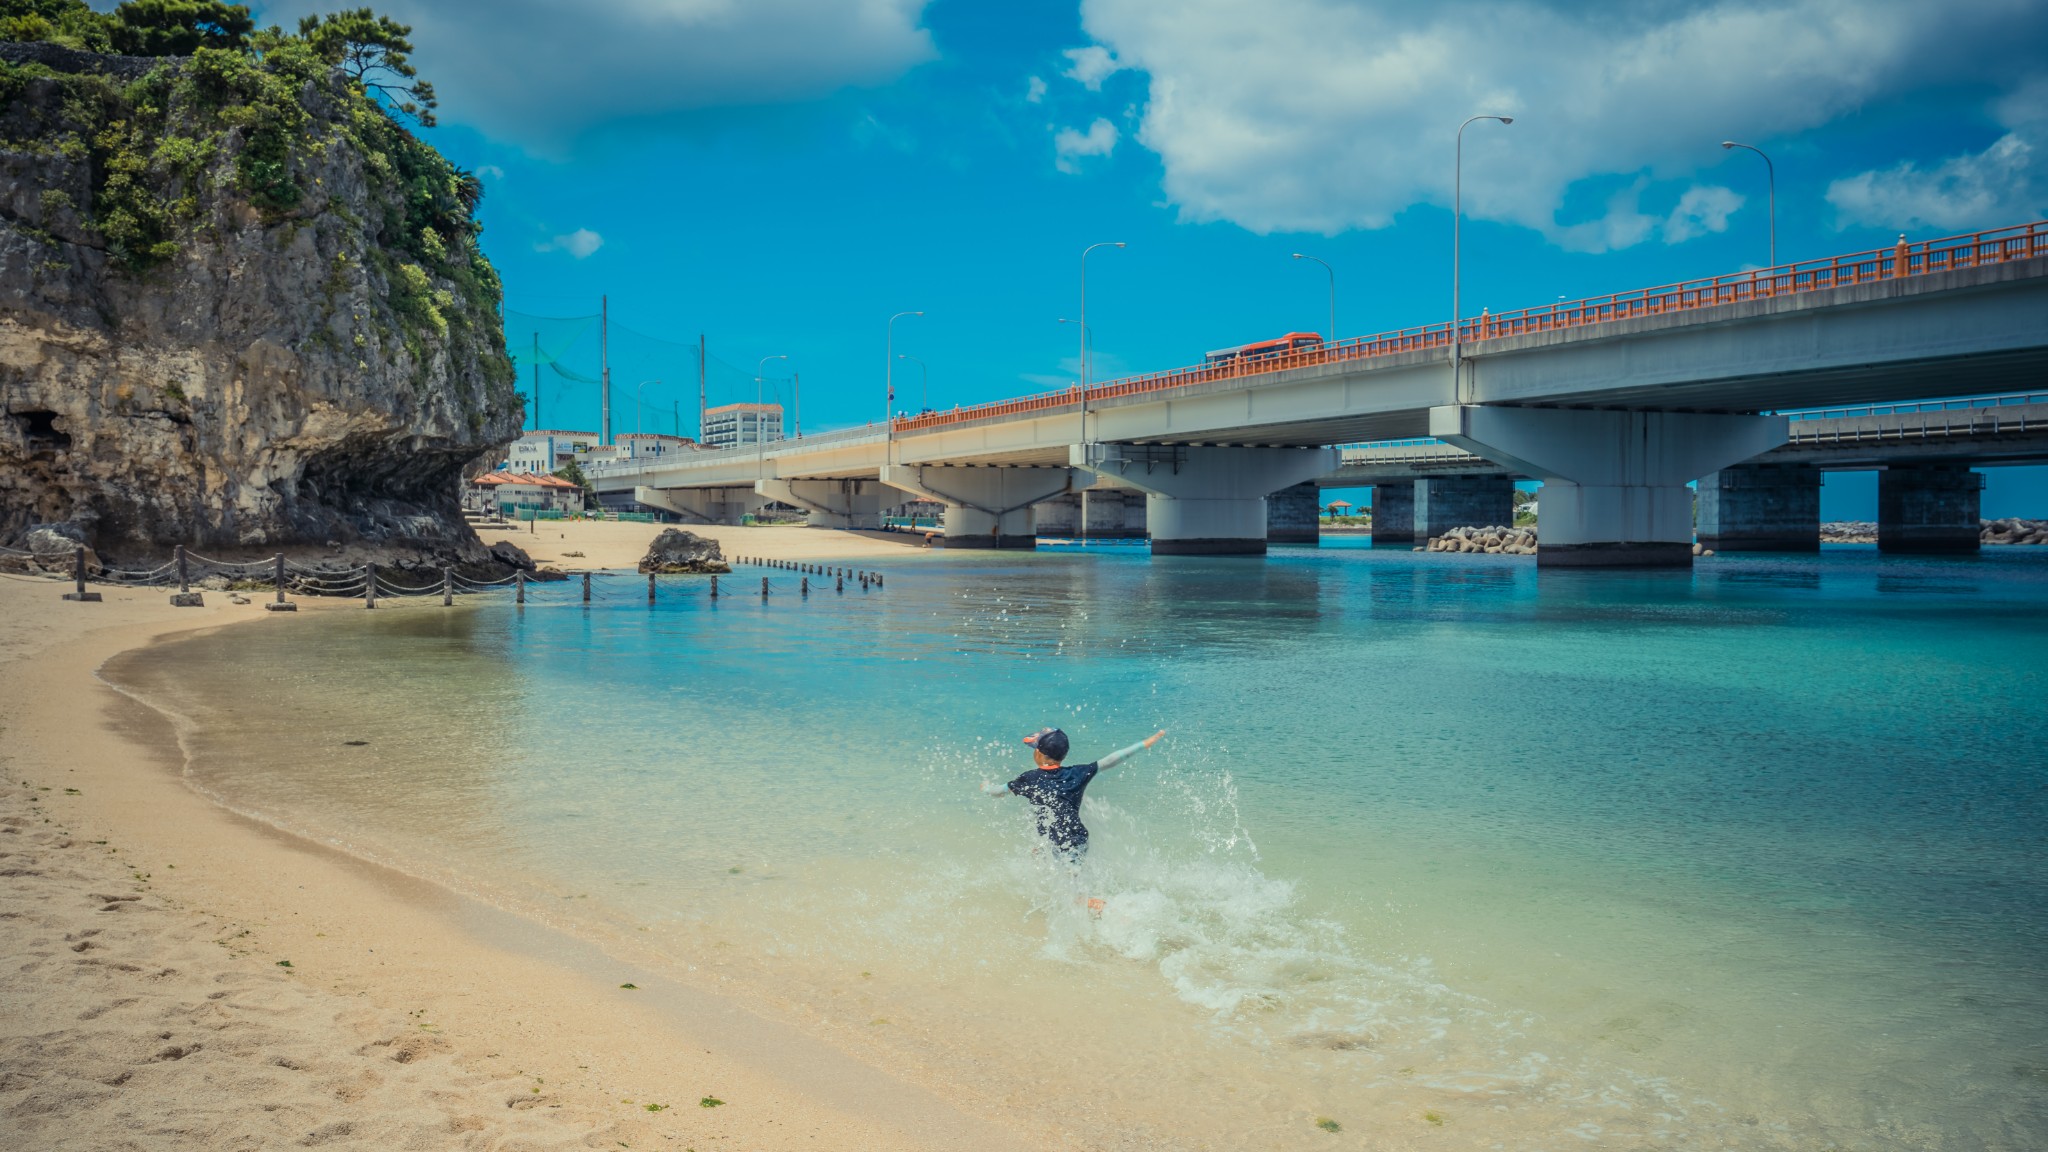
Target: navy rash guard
1055 795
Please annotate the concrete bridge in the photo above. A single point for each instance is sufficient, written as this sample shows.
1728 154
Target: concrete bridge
1928 496
1616 403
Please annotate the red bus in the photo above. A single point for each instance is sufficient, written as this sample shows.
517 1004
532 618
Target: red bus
1264 349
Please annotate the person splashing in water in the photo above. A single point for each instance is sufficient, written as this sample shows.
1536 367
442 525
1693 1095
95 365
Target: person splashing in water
1055 789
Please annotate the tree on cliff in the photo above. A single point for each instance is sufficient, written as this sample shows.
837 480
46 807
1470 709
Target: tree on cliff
376 54
136 28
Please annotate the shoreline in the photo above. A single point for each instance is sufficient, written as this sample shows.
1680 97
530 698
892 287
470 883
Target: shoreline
406 1011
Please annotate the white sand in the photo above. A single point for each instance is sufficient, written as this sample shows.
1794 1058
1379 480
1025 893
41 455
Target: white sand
615 544
145 1001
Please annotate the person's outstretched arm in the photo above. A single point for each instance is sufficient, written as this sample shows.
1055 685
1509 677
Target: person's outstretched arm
988 789
1122 754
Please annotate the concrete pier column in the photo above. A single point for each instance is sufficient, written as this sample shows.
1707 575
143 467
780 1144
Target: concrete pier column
1205 501
1393 513
833 503
1112 514
1760 508
702 505
985 507
1614 483
1059 516
1446 502
1929 509
1294 515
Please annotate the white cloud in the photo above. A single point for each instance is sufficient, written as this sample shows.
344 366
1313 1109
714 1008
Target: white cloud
1069 145
1034 91
2003 184
580 244
1323 115
490 172
1701 210
1092 65
538 71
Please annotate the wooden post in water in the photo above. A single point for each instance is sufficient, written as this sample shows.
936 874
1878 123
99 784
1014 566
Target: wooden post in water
841 587
650 587
586 587
878 579
807 586
447 587
370 585
714 585
764 587
519 586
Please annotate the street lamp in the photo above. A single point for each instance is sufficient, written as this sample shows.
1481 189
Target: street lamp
761 438
927 393
1457 208
1771 173
1333 293
639 405
889 410
1084 329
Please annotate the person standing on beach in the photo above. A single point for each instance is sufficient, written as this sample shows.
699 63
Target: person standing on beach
1055 788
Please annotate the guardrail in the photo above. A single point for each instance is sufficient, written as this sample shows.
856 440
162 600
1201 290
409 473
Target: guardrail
2019 242
1960 404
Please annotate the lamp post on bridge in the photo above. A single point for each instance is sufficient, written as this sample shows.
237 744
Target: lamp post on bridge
640 403
760 438
925 396
1770 175
1084 329
1332 338
1457 211
889 409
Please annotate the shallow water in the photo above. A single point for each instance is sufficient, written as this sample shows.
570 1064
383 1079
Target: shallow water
1442 850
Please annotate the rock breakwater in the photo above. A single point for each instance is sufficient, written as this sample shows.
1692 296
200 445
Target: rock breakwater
1495 540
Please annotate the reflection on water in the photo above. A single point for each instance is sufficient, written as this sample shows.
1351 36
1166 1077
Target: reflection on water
1747 857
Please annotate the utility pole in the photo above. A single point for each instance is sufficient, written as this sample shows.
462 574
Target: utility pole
536 381
604 356
700 387
796 387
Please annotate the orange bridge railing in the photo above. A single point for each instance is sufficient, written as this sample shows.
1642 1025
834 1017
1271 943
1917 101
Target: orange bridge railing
2019 242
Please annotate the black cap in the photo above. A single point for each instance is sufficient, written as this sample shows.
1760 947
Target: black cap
1050 741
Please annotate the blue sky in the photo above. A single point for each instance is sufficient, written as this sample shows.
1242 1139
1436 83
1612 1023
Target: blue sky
782 175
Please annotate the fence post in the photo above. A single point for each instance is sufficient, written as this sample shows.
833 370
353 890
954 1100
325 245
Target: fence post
519 586
764 587
447 587
841 586
650 587
586 587
370 585
78 577
714 585
878 579
184 597
807 586
279 604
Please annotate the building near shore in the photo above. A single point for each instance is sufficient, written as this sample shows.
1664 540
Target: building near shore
650 445
549 450
742 425
516 494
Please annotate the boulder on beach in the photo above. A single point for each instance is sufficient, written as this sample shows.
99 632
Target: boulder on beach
676 551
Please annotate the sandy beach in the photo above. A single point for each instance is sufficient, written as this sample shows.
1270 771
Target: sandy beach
178 976
576 544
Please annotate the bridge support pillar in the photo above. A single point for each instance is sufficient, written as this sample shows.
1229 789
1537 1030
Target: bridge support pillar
1205 501
1393 513
1294 514
702 505
1614 483
833 503
1094 514
1760 508
1446 502
985 507
1929 509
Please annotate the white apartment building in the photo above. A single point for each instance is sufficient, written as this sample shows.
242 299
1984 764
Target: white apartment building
742 425
546 451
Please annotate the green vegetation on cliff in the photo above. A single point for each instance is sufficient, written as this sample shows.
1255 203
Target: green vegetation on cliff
272 105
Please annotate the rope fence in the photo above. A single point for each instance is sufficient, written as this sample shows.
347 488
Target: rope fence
281 577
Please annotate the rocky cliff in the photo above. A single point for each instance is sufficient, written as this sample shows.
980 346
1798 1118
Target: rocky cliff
240 307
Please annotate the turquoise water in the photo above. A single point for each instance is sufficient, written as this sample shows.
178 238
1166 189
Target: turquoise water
1447 851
